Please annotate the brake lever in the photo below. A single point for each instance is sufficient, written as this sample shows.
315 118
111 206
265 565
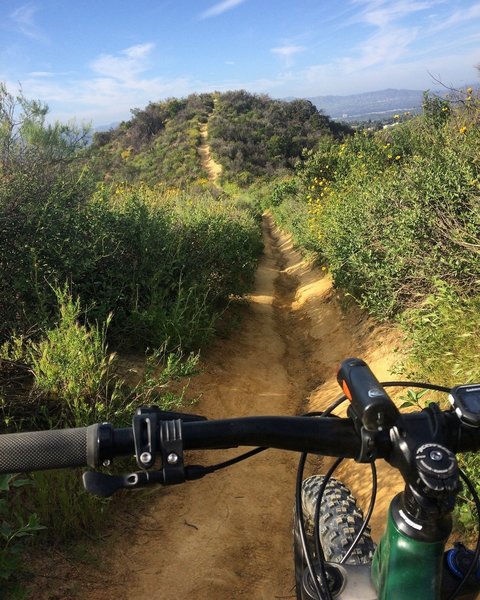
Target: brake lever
101 484
104 485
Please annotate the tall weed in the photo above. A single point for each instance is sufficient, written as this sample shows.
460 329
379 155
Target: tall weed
73 369
443 335
77 382
14 530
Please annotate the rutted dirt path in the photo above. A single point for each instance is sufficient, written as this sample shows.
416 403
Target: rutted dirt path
228 536
213 168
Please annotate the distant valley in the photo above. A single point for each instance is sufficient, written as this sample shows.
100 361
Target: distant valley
369 105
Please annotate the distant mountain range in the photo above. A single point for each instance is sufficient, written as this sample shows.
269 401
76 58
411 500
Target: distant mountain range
373 106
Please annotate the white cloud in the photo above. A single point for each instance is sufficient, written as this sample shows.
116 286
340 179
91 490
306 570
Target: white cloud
119 83
221 7
460 16
392 38
24 22
381 13
414 73
386 46
41 74
101 100
126 65
287 52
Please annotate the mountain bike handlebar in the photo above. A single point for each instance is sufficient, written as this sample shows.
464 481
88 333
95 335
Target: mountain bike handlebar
330 436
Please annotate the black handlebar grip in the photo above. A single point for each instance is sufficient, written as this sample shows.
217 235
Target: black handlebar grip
370 402
54 449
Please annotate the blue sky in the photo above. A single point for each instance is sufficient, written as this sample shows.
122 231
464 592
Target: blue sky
94 60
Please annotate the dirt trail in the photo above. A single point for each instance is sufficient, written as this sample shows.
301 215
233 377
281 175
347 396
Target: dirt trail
228 536
213 169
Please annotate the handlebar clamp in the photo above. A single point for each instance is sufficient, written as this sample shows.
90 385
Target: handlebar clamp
171 444
148 427
145 426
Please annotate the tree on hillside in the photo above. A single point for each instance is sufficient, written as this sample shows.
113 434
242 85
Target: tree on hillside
25 135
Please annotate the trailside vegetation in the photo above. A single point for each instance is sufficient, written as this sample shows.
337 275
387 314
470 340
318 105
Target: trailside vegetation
395 214
91 263
162 261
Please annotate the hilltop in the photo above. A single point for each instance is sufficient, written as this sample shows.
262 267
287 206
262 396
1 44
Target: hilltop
249 135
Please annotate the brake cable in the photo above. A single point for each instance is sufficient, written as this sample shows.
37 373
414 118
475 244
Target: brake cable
300 519
319 550
298 502
234 461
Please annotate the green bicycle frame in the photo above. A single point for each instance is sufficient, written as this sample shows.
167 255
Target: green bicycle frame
404 568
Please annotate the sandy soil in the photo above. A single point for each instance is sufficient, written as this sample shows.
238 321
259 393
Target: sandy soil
213 168
228 536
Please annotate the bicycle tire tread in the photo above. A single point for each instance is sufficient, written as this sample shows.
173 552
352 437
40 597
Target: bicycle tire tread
340 521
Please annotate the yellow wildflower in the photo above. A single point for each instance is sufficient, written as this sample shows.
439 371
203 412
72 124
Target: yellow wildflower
462 130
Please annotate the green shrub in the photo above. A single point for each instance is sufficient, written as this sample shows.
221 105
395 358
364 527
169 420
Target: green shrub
395 210
14 529
443 334
77 382
396 216
160 260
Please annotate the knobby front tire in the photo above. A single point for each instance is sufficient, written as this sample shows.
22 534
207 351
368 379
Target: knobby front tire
340 522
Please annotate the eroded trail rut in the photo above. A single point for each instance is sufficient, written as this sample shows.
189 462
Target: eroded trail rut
228 536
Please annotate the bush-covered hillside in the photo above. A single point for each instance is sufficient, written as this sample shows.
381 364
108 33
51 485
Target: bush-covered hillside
158 144
253 136
249 135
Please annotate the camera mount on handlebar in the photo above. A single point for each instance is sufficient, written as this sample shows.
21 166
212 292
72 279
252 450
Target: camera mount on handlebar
153 430
371 408
429 469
